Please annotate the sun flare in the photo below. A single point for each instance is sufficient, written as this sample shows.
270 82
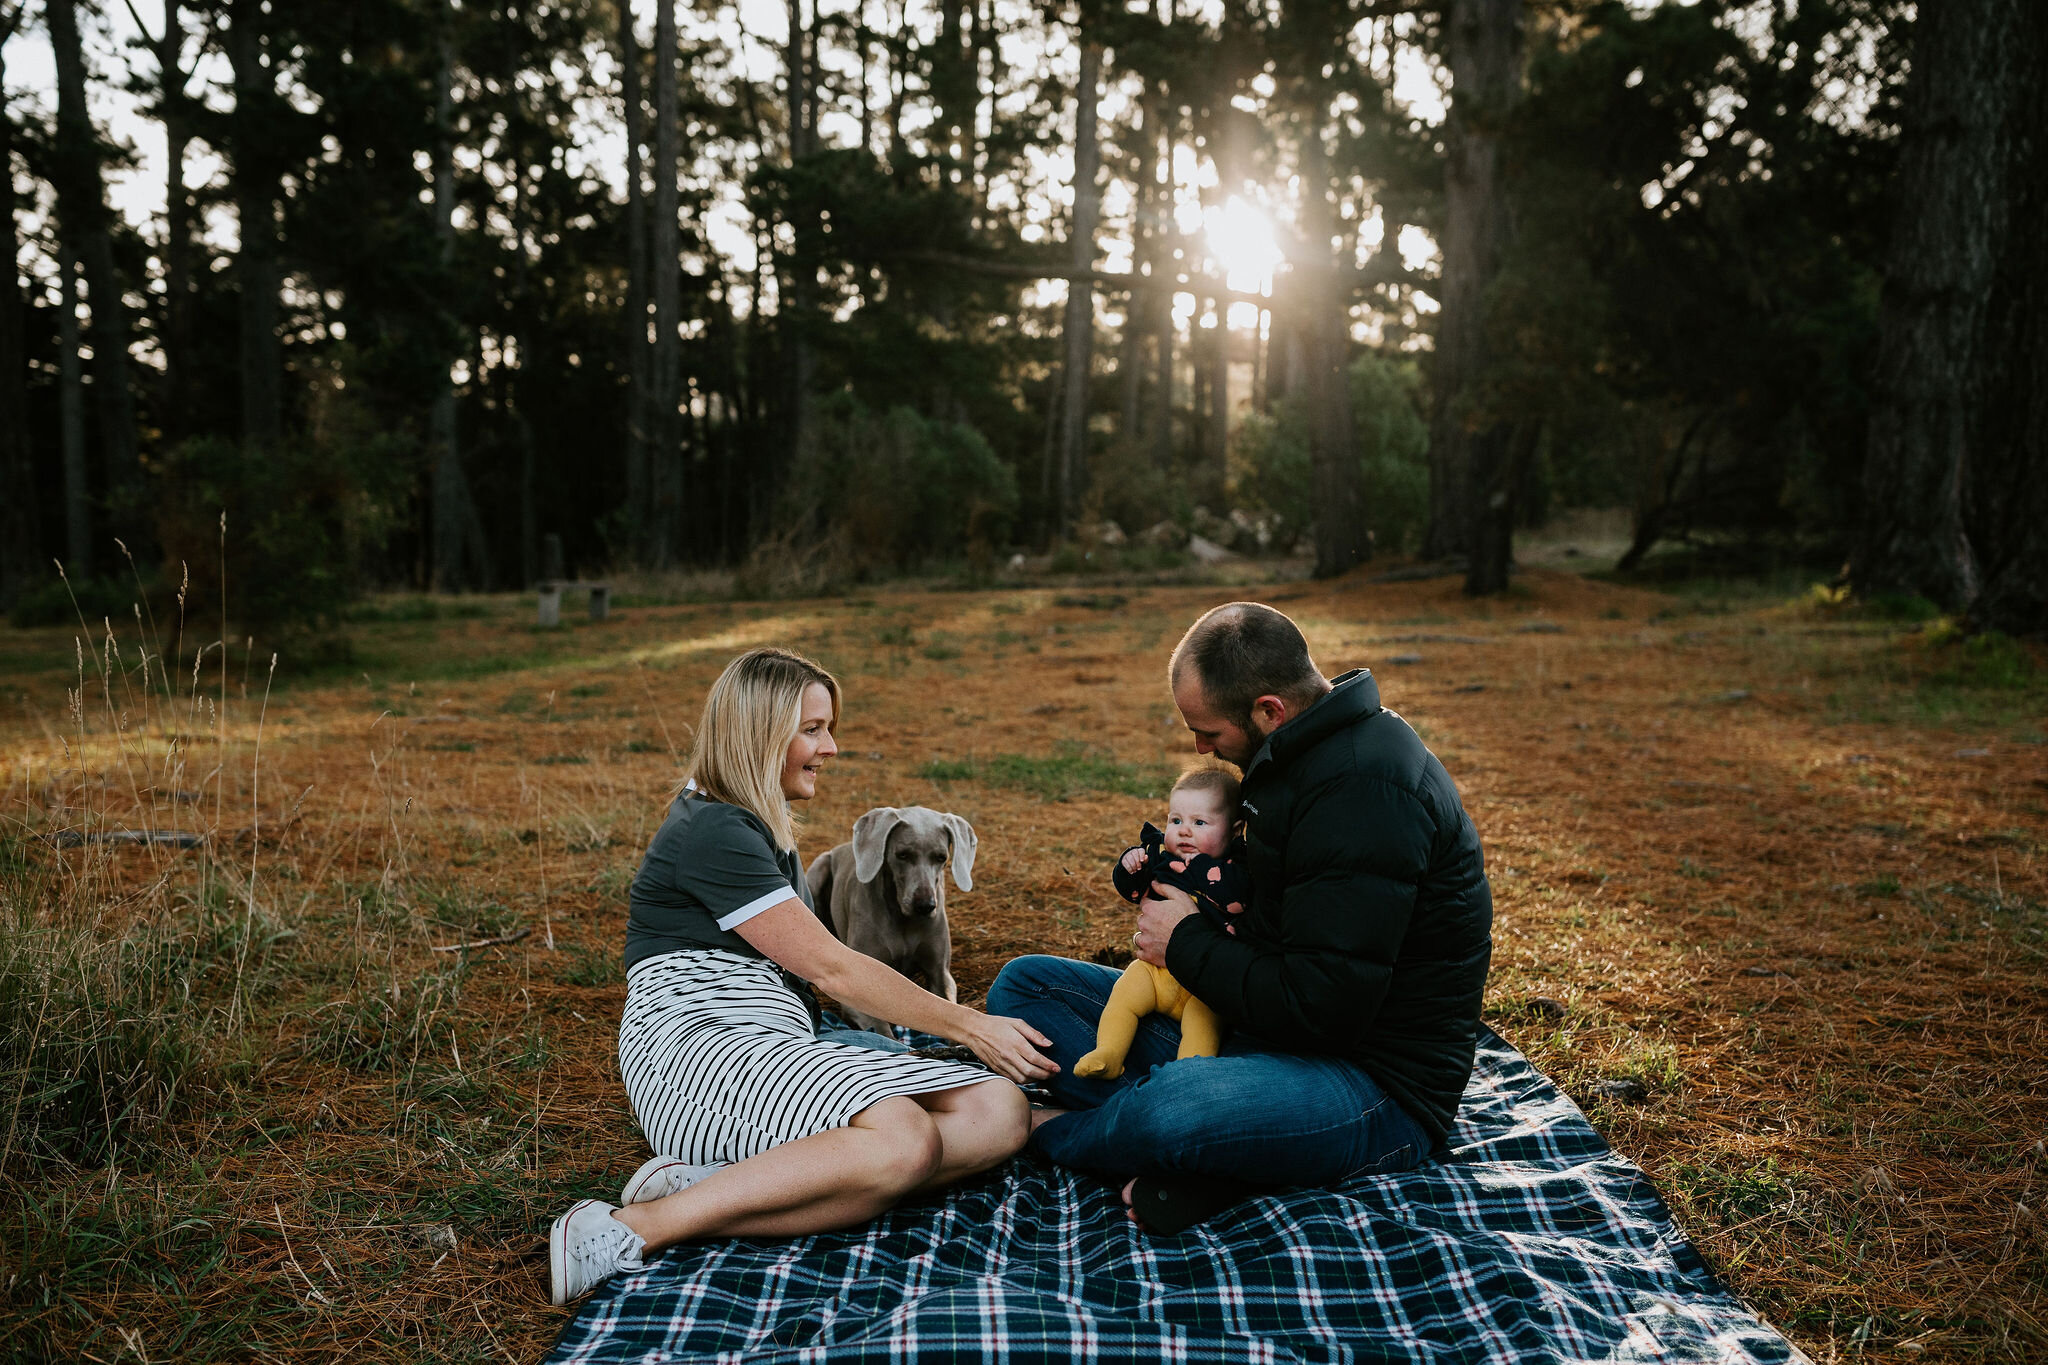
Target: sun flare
1242 241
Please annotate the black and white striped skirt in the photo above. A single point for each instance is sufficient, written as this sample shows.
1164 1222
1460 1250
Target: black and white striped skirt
721 1063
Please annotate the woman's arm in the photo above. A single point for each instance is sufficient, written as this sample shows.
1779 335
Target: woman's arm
794 937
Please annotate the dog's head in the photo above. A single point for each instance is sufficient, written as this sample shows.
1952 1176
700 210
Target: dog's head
910 844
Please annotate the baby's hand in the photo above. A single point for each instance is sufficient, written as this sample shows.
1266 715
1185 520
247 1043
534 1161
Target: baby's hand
1133 859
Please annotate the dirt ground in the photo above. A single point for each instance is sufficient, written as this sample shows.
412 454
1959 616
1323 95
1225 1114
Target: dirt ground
1780 866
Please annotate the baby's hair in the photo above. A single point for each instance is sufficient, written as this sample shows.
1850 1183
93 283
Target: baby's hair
1211 777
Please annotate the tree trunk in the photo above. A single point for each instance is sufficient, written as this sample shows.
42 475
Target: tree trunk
71 422
256 187
86 221
21 540
1497 464
2009 495
639 360
665 454
1216 419
1483 45
1954 481
800 363
1130 365
1079 326
1343 539
180 215
1160 297
459 552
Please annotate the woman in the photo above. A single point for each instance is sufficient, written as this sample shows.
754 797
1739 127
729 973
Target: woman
762 1128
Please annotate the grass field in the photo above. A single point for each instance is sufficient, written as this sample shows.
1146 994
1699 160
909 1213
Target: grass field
1780 865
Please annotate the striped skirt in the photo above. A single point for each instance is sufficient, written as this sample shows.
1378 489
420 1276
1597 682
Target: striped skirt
721 1063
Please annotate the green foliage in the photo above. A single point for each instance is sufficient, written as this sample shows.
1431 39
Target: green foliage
299 524
1689 305
1271 459
53 602
903 490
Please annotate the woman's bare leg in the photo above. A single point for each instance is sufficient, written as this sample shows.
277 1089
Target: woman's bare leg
835 1179
979 1127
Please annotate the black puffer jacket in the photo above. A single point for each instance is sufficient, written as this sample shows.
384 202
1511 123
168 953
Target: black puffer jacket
1371 921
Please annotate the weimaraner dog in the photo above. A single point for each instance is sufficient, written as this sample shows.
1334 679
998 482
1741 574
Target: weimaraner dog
884 894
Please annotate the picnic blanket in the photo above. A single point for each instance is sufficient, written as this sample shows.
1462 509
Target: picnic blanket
1531 1241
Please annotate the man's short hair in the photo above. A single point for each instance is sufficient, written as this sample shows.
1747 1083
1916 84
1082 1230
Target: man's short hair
1242 651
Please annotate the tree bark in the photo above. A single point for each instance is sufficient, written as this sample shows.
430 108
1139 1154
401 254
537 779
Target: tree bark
78 553
258 277
21 553
1953 482
665 454
175 109
460 556
1079 326
1483 47
1160 300
88 224
639 361
1130 365
800 308
1343 539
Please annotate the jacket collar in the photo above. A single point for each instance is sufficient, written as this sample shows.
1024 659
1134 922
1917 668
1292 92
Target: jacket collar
1352 697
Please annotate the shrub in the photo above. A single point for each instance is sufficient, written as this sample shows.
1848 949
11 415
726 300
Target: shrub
902 489
298 522
1271 457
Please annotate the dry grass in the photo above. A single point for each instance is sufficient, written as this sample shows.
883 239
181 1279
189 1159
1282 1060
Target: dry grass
1784 869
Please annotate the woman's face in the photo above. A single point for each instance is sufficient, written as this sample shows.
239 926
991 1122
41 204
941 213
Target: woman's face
811 747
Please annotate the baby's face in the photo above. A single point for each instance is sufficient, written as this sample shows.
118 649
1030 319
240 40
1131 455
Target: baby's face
1196 823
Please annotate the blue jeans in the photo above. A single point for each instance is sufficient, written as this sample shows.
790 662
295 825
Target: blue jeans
1255 1113
854 1037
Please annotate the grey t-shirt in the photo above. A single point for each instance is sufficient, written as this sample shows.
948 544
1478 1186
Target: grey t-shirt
710 868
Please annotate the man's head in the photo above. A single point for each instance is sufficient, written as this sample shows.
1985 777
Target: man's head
1239 674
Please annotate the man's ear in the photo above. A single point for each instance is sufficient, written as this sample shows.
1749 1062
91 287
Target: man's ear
1270 712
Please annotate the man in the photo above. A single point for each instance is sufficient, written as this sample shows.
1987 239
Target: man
1351 986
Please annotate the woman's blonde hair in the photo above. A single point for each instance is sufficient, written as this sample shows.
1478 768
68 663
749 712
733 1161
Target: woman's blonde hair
751 715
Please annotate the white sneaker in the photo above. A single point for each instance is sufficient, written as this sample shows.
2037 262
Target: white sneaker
663 1175
587 1244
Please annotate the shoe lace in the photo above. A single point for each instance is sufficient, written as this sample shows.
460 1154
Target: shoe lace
612 1244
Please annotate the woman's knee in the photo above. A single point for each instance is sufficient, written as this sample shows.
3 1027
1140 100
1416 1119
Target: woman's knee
1004 1112
907 1151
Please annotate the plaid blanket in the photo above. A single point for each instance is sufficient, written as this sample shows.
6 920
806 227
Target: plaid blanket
1531 1242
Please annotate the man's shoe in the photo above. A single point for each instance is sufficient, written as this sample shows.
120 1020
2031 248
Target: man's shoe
1169 1205
663 1175
587 1244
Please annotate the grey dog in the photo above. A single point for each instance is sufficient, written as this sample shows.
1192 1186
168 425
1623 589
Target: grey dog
884 894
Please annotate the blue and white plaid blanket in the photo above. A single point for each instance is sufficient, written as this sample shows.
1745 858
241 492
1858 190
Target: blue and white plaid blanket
1532 1242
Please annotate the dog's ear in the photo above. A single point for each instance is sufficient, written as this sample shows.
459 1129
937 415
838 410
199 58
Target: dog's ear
963 850
871 839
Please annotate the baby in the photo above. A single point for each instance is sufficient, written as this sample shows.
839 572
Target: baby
1194 853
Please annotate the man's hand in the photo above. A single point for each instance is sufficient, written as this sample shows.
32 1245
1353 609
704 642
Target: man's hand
1134 858
1157 915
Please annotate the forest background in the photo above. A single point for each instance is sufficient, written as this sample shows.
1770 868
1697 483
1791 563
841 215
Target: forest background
311 875
428 290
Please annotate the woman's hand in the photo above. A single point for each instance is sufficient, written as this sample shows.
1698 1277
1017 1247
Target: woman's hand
1009 1046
